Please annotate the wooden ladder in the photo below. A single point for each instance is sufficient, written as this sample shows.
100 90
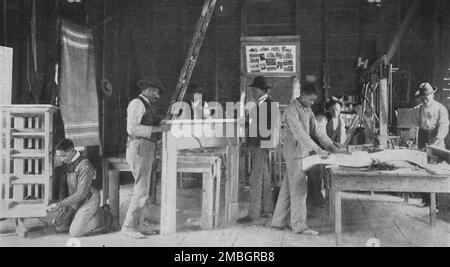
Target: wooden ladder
194 51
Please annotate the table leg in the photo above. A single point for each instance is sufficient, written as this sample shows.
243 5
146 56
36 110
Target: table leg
331 200
218 181
169 185
433 209
105 182
406 198
114 197
207 201
338 218
232 183
21 228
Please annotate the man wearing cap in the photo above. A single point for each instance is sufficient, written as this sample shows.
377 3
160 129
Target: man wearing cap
261 199
431 118
143 127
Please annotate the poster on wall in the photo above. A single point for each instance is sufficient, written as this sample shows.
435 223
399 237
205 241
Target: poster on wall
271 59
6 69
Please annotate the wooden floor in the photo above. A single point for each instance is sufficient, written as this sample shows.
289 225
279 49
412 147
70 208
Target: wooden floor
385 218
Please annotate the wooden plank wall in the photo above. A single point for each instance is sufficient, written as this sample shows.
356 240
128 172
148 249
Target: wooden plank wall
140 37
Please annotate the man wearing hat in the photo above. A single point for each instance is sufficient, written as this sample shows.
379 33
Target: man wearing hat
431 118
143 127
261 199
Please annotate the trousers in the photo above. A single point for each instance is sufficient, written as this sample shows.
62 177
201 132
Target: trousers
292 197
261 199
84 220
140 156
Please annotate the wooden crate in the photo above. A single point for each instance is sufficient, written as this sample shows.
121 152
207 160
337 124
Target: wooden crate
26 160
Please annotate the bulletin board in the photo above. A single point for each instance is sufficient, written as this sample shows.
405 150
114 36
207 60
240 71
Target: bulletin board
262 59
275 57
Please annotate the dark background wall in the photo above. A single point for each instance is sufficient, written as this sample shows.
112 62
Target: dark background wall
141 37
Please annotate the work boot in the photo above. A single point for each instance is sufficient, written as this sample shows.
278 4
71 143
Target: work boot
148 230
308 232
279 228
132 233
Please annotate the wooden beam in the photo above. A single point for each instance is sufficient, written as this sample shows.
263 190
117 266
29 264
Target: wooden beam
406 21
326 78
168 185
353 126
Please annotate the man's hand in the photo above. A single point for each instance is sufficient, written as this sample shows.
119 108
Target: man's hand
322 154
162 129
53 207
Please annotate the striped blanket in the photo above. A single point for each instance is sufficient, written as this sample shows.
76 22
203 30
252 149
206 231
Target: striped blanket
78 91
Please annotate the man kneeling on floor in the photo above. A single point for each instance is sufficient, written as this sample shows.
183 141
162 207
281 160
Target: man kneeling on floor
80 213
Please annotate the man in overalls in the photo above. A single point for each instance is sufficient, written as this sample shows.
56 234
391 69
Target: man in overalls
143 127
431 119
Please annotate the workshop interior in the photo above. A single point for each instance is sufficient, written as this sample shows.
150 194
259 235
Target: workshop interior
225 123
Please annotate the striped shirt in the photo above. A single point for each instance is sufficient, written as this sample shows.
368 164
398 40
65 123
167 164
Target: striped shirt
80 177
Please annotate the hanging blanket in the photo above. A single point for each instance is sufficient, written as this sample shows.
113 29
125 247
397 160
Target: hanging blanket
78 91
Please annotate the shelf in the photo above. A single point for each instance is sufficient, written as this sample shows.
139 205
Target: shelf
28 180
27 150
28 154
28 133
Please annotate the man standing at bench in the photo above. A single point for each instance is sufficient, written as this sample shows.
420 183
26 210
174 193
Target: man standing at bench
300 126
143 127
431 120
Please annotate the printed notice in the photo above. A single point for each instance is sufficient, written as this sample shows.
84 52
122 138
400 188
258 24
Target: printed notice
271 59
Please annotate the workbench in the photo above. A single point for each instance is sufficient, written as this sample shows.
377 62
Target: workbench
191 152
402 180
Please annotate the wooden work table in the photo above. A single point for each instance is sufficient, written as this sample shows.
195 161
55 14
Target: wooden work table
190 143
403 180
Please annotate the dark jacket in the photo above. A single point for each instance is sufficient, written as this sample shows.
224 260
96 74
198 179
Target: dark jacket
150 118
